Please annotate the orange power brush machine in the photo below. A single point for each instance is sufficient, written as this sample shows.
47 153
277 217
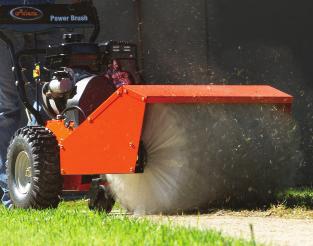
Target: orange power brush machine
93 108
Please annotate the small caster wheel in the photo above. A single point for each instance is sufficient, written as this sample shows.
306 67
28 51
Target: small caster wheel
100 197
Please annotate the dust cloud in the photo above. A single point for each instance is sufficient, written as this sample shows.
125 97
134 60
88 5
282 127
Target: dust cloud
200 155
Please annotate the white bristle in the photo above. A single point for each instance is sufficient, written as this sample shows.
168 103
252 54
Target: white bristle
201 154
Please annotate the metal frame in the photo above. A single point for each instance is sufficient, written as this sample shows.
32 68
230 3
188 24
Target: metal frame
110 146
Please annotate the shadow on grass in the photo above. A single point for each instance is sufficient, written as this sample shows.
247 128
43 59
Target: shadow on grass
297 197
301 197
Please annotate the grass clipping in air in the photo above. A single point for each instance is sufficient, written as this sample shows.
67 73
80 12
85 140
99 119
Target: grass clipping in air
199 155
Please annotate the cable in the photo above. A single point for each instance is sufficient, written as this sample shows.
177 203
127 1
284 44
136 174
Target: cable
73 108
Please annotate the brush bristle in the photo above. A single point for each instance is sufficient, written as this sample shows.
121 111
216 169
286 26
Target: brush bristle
199 155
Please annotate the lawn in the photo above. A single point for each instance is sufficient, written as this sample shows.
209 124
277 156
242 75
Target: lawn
294 203
297 197
73 224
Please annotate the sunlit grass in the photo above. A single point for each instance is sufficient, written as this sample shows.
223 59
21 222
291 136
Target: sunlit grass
73 224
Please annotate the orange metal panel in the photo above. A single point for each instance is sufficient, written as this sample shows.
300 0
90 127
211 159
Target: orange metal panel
60 131
108 141
70 183
209 94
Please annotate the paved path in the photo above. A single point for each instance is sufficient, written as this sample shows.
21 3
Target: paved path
276 231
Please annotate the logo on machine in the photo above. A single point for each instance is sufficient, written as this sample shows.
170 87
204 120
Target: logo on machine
26 13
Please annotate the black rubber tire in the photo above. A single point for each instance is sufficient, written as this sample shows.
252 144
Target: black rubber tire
45 180
104 201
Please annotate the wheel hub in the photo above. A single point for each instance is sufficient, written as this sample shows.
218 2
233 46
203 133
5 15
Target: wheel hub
23 174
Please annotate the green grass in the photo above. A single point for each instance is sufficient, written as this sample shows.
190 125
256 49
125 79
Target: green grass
73 224
295 203
297 197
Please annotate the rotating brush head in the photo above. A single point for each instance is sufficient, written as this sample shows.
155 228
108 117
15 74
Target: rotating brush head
199 155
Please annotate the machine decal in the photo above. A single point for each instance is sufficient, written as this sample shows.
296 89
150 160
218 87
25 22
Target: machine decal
26 13
71 18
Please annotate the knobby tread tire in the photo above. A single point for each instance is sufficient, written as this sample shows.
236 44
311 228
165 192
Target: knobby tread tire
46 181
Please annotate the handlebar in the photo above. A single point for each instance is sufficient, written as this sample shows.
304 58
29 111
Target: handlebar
39 18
